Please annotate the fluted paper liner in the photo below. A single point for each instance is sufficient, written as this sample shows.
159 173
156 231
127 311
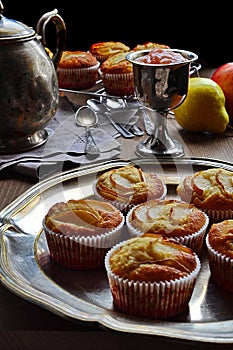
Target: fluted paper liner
118 84
219 215
78 78
221 267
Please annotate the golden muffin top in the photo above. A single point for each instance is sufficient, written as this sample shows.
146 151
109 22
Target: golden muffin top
117 64
152 258
82 217
77 59
103 50
150 45
130 185
220 237
208 189
168 217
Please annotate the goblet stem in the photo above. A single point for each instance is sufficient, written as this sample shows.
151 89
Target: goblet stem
160 143
161 138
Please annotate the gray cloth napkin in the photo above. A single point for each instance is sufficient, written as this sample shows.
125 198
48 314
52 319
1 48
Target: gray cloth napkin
65 145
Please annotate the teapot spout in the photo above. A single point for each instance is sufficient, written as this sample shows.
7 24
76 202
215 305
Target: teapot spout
59 23
1 7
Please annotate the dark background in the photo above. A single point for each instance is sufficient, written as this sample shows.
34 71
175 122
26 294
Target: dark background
205 31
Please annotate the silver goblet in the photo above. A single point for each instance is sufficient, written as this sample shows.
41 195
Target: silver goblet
161 88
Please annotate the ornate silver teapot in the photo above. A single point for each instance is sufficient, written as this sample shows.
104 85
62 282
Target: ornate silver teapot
29 92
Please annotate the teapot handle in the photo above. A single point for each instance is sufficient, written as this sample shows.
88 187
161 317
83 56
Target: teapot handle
54 17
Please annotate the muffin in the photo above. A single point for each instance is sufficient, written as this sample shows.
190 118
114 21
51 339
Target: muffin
219 242
77 70
151 276
129 185
104 50
117 75
80 232
210 190
150 45
169 218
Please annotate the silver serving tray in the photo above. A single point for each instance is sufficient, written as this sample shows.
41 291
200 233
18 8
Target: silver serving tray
27 270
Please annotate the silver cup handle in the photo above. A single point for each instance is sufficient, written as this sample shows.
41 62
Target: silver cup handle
194 69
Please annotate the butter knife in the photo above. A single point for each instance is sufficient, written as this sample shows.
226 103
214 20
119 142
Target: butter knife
120 128
94 104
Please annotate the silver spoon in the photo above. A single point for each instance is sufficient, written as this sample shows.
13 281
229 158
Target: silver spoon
85 116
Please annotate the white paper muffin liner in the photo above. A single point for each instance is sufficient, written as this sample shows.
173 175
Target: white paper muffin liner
118 84
123 207
78 78
193 241
100 58
81 252
157 300
221 267
218 215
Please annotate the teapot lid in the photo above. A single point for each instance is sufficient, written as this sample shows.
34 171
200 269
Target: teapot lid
13 30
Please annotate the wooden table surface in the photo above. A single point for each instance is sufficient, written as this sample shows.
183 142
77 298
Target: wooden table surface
28 326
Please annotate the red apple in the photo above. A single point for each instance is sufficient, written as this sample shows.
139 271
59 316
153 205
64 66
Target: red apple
223 76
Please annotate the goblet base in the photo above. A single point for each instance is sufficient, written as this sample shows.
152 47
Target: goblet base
154 148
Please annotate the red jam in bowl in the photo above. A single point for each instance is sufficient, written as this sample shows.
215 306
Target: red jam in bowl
162 56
